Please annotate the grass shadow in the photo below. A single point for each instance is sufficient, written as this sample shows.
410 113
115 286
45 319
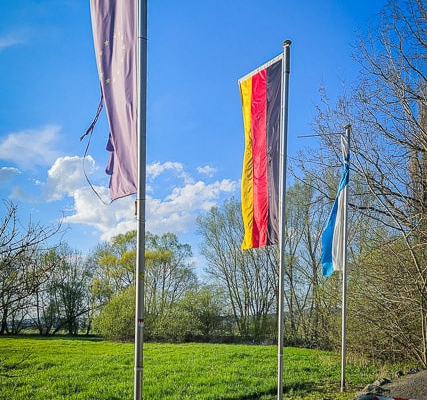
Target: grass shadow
57 337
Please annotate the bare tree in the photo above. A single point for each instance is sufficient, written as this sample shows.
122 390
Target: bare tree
249 277
64 300
20 274
387 111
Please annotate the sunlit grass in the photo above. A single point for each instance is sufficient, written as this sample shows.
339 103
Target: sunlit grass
36 368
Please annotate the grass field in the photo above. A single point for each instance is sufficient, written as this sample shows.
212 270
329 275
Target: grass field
60 368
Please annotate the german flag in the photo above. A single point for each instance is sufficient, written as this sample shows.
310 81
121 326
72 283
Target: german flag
261 95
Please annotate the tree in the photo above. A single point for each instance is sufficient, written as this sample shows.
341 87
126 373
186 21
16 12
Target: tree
248 277
63 300
311 301
20 274
114 266
117 318
387 109
169 276
206 308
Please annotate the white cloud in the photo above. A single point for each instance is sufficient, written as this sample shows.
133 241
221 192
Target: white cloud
156 168
172 206
109 219
66 179
175 212
178 211
207 170
8 173
22 194
31 147
66 176
10 40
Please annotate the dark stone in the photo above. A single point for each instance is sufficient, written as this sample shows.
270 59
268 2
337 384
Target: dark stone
398 374
381 381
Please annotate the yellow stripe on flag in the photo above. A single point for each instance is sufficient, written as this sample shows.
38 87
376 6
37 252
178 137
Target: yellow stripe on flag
247 179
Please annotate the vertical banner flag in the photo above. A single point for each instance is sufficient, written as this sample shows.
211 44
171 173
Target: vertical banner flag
114 35
261 96
333 235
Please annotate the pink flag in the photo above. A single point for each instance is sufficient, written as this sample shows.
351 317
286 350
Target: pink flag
114 35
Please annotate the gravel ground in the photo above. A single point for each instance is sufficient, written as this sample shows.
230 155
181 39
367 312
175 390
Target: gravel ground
412 386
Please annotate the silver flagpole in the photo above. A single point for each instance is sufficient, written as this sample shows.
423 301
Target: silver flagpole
140 201
344 276
282 197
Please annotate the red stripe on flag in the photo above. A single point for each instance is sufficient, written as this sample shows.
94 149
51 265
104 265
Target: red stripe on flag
259 157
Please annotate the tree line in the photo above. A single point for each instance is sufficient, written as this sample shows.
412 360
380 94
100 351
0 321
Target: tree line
58 289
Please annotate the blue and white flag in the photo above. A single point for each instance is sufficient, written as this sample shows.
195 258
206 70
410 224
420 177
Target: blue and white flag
333 237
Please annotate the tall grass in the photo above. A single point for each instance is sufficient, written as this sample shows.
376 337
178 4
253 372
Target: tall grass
60 368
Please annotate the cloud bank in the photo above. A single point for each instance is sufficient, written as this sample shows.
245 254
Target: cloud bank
175 212
174 197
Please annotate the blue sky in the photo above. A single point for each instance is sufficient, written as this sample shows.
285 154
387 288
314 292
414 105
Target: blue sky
197 50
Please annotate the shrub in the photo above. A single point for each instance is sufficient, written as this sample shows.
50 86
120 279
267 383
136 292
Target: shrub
117 319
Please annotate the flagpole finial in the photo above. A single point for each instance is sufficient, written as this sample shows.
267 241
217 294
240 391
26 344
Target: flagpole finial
286 54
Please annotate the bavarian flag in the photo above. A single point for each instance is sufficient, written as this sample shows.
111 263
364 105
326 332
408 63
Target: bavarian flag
261 96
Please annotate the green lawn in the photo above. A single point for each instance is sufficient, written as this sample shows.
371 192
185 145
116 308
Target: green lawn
62 368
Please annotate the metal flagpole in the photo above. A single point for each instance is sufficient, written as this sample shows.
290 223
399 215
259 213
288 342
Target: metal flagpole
282 196
140 201
344 274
